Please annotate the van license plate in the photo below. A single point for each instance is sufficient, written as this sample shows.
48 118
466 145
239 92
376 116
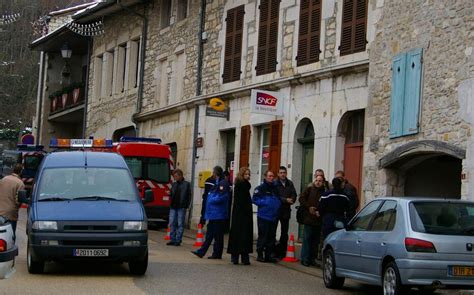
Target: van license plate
461 271
91 252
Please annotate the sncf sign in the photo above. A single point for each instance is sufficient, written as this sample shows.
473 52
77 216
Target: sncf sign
266 99
267 102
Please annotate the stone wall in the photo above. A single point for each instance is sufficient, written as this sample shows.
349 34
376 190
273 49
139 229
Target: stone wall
109 113
444 30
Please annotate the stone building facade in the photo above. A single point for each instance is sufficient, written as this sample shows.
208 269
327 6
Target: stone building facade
435 159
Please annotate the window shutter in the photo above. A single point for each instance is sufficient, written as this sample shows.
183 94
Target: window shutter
398 90
360 28
309 32
275 145
233 44
268 36
244 146
412 91
354 26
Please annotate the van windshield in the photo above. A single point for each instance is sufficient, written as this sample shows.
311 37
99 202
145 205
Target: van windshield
84 183
442 218
156 169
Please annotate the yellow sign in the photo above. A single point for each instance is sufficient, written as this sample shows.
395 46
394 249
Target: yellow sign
217 104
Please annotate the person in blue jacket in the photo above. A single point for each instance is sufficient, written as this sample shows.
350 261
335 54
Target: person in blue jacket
217 212
266 198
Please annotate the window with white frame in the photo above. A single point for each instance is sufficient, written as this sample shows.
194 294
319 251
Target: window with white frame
134 63
98 61
264 150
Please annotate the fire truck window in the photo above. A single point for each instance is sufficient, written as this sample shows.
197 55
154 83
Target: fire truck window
32 162
158 170
135 166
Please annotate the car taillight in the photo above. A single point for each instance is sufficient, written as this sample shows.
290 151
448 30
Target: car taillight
3 246
415 245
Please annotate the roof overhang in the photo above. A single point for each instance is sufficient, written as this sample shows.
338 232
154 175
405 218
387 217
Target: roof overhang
104 8
57 38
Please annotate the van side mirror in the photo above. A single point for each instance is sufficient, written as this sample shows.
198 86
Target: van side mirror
149 196
23 197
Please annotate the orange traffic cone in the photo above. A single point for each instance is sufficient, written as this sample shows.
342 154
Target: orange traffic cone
168 234
290 253
199 237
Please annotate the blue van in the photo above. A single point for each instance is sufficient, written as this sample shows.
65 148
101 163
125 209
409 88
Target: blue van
85 207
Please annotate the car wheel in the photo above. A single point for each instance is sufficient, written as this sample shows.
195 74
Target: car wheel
138 267
392 284
35 266
329 271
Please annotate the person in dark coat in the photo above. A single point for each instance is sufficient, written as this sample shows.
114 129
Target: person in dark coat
227 178
287 194
241 227
266 198
217 211
333 207
208 185
309 201
180 200
351 192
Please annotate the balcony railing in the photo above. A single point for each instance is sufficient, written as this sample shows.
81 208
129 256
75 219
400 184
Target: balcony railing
67 98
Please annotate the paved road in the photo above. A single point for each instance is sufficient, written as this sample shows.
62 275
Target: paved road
172 270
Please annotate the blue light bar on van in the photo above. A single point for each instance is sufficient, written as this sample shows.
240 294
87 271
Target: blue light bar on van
140 139
29 147
80 143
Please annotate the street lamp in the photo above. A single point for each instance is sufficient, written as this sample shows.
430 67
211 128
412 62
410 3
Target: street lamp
66 52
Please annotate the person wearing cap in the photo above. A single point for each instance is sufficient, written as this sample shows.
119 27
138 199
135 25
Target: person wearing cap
9 187
217 212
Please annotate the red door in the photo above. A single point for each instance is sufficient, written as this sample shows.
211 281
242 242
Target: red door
353 164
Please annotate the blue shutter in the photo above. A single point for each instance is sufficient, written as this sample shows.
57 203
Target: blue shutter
398 92
412 92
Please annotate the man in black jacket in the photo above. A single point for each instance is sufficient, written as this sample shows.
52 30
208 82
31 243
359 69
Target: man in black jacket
287 194
351 192
180 200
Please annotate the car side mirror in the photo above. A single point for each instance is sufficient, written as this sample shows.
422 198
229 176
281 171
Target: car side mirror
149 197
23 197
339 224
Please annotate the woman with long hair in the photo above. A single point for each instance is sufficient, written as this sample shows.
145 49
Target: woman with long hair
241 228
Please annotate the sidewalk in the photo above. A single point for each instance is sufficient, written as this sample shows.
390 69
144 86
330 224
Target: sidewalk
314 271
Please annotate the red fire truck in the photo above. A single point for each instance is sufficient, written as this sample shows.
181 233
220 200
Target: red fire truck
151 164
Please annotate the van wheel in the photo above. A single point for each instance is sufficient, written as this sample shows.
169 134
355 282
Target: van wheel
392 284
329 271
35 266
138 267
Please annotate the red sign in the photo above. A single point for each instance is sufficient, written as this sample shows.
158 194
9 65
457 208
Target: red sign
266 99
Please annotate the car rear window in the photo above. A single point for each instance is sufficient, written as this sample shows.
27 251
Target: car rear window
442 218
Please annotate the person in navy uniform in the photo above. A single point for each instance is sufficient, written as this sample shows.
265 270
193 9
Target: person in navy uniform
209 184
266 198
333 207
217 212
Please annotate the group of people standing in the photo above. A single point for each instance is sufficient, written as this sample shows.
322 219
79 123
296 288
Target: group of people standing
321 206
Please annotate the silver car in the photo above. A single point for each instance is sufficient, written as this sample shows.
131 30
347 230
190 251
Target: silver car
399 243
8 249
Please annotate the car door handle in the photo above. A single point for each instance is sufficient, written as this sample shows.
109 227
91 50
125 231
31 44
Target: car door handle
383 244
358 242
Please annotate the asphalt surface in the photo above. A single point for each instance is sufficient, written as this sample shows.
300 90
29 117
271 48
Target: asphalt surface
171 270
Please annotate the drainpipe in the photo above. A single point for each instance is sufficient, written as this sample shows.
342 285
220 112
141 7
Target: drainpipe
86 87
202 25
39 108
138 108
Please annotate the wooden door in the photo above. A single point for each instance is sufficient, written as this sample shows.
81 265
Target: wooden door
353 164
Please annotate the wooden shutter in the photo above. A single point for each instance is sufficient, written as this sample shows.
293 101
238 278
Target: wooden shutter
275 145
233 44
309 32
411 106
268 36
244 146
354 26
398 89
406 93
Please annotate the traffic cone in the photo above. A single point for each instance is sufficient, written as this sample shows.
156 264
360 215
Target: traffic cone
290 253
199 237
168 234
